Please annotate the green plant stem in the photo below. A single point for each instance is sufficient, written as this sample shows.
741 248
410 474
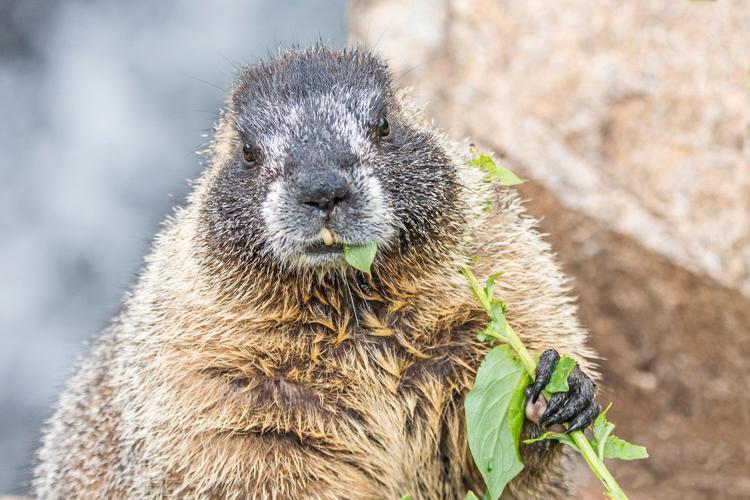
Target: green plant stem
597 466
511 338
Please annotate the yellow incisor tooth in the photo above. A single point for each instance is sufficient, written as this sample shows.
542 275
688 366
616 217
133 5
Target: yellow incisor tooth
327 236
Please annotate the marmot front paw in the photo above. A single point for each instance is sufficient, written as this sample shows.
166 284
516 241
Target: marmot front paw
577 407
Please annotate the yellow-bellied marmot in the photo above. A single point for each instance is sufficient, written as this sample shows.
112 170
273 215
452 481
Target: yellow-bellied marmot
250 361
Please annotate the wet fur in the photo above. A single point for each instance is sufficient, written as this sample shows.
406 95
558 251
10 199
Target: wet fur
224 378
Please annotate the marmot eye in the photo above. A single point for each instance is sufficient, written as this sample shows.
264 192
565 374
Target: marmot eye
383 128
249 154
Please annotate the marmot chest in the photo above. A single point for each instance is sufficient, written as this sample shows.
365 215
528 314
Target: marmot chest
328 384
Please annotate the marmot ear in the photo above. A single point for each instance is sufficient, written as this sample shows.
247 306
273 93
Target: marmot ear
405 99
407 106
242 86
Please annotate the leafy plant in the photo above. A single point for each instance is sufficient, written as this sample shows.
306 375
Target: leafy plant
495 405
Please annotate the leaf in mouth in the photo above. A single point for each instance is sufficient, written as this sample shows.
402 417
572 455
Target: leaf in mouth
360 256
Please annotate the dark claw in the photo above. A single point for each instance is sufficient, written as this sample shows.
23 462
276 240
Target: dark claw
556 402
578 405
544 369
585 418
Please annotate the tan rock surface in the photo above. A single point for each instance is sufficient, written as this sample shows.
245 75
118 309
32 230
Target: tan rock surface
637 113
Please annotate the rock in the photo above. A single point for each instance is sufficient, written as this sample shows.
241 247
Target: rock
636 113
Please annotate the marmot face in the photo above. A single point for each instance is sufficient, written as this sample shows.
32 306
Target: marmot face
317 145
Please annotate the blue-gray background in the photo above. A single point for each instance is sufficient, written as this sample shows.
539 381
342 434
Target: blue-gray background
102 105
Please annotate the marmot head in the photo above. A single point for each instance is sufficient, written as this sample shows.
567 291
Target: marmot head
316 144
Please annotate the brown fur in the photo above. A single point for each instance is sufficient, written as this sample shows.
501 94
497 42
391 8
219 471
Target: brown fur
218 384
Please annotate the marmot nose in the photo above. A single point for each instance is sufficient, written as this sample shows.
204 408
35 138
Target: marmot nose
326 194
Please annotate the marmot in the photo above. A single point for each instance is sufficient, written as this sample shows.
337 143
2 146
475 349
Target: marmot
250 362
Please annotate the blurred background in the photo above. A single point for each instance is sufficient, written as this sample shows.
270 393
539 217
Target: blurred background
630 120
103 105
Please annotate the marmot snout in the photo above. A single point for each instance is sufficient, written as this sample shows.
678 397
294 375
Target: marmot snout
250 362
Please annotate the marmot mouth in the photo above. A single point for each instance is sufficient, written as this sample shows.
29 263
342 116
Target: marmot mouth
323 249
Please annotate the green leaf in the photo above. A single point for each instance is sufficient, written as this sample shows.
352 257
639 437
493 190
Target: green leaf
607 445
602 429
563 438
471 496
406 497
502 175
496 329
494 415
622 450
489 286
505 177
360 256
497 313
558 381
489 334
517 411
